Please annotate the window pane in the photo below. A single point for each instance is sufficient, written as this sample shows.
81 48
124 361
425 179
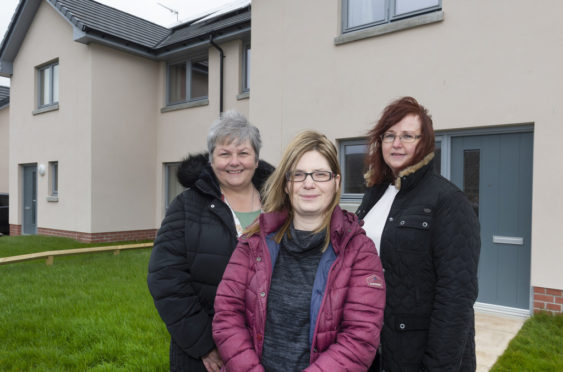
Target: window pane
247 69
45 86
173 186
56 83
407 6
177 83
199 81
354 168
361 12
438 158
54 176
471 166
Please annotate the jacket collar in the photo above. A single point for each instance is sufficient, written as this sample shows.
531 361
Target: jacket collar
413 173
343 225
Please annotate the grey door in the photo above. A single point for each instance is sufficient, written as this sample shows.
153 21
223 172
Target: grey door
495 171
29 199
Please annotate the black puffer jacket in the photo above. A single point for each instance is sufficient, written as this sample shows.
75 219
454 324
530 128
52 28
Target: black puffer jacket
191 250
430 251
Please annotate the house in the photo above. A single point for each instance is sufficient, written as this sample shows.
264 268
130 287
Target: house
4 140
103 107
488 73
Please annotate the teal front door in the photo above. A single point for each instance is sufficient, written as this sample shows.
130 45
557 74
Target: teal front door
495 172
29 199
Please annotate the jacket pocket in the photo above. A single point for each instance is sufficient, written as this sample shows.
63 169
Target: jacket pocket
405 323
413 232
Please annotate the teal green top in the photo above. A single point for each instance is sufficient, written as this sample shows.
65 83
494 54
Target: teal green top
246 218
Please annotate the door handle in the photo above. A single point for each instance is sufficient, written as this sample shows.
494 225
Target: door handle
514 240
27 208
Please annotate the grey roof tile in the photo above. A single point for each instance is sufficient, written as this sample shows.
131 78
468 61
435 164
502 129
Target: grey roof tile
185 33
108 20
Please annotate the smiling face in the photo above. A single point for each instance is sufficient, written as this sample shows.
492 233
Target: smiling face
310 199
234 164
398 155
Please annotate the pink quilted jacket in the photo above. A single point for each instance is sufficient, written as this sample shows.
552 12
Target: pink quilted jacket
350 317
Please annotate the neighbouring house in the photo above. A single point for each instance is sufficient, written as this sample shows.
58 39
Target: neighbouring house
4 145
104 105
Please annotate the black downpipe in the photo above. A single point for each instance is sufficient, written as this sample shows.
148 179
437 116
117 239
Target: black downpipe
222 55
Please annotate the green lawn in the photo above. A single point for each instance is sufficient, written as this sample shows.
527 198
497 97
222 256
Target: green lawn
93 312
90 312
537 347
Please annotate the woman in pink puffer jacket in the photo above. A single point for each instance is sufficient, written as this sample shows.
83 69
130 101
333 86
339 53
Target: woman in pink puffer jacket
304 288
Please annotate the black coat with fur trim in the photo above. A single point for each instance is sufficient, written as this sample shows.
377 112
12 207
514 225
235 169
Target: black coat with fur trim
430 251
191 250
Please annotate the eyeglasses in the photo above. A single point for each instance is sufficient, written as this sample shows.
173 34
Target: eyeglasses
317 176
404 138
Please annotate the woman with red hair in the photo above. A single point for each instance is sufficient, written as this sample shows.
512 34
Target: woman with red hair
427 235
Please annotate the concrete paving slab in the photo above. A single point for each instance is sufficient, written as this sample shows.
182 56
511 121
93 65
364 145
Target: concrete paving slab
493 332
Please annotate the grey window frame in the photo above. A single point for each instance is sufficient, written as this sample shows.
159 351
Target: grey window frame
390 16
40 84
54 178
342 154
188 63
167 175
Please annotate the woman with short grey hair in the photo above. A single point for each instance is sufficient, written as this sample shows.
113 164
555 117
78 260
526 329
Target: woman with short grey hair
232 125
199 233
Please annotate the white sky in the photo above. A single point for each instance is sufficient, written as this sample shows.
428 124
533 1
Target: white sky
147 9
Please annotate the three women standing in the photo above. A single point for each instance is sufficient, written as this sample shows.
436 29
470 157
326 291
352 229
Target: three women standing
304 289
198 235
428 238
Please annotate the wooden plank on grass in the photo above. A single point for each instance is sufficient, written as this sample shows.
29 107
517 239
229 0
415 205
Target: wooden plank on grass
50 255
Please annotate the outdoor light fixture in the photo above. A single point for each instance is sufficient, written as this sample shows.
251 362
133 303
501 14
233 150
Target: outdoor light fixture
41 169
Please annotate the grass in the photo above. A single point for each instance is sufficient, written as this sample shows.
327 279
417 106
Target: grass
88 312
93 312
537 347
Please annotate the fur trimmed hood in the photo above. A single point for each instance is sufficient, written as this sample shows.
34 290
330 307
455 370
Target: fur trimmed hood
413 168
191 168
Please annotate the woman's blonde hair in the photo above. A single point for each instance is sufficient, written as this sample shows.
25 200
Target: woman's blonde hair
276 198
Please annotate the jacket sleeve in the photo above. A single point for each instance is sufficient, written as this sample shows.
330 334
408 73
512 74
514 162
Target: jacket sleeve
357 339
456 247
230 331
169 282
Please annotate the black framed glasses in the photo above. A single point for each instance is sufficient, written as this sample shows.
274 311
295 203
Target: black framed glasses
404 138
317 176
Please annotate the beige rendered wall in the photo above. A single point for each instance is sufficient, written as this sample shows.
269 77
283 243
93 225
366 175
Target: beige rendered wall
184 131
4 148
62 135
124 119
486 64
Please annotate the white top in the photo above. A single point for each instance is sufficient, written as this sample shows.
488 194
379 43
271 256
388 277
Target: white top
375 219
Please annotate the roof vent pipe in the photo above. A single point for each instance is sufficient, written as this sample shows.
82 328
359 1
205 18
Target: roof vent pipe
222 55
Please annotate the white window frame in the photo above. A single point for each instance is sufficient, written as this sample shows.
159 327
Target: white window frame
389 12
50 69
188 64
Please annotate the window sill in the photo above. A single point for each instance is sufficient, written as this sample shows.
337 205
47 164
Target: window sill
53 199
45 109
185 105
388 28
243 95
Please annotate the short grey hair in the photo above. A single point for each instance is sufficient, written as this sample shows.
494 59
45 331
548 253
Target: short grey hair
232 126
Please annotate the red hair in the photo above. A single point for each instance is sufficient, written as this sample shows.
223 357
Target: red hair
377 170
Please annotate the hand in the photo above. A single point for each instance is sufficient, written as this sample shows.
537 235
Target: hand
212 361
